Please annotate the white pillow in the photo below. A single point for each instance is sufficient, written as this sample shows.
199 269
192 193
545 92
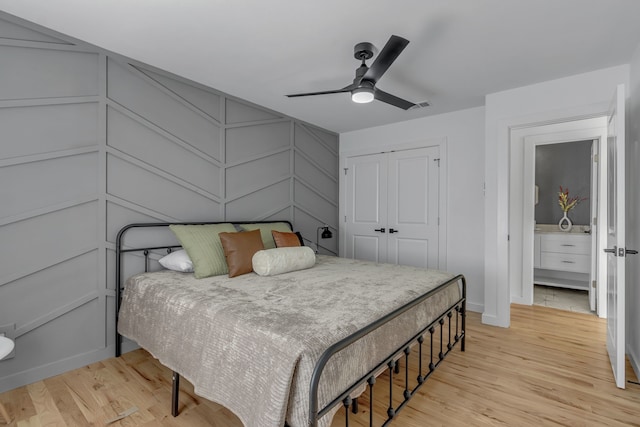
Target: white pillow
269 262
177 261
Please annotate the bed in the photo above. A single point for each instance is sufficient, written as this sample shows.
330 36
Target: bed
293 348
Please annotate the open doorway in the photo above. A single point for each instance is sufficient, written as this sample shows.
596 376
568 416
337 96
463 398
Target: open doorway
565 266
531 253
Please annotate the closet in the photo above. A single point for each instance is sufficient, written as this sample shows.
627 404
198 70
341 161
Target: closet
392 207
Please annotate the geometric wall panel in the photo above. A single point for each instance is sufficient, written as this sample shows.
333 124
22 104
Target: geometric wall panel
327 138
206 101
9 30
47 182
311 147
312 202
137 140
44 240
119 216
130 90
91 143
251 176
315 177
239 112
244 143
50 73
144 188
253 205
70 334
49 289
59 127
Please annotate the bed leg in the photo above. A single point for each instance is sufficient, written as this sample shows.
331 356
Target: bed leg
175 390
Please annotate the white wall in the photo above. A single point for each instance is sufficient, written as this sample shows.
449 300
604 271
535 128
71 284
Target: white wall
579 96
633 214
464 134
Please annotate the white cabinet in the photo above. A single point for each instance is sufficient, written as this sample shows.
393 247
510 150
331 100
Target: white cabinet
562 259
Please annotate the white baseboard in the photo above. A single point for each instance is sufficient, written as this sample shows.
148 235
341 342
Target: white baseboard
475 307
634 360
490 319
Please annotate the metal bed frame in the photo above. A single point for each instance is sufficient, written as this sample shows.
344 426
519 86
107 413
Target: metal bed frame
433 342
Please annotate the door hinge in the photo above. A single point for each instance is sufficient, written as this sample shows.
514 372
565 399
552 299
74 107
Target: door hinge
593 284
345 170
437 160
345 218
595 158
595 221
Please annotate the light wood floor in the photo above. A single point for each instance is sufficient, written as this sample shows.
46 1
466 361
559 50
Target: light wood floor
550 368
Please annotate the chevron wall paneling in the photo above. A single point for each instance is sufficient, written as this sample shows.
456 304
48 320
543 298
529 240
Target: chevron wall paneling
91 142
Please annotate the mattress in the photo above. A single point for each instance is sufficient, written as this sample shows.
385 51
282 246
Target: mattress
250 343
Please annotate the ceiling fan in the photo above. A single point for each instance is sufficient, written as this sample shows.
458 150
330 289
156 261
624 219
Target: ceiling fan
363 89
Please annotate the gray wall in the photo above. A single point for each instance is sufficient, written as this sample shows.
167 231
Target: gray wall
92 141
567 165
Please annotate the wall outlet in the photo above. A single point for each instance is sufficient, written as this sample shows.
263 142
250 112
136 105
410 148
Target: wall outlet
9 331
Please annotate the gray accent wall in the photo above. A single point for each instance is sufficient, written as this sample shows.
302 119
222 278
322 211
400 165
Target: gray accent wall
568 165
92 141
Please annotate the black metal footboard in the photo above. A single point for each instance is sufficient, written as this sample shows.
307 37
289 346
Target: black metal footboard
434 341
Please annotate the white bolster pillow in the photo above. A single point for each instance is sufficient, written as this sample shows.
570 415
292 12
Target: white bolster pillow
269 262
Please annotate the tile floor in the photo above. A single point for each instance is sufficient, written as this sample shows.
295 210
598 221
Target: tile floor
561 298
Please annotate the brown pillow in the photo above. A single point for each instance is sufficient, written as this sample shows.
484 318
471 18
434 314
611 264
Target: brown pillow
239 249
285 240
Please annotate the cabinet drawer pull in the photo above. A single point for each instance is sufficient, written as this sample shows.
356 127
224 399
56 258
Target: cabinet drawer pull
569 262
567 245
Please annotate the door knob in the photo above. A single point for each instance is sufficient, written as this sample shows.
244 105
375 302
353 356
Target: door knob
612 251
391 230
631 251
382 230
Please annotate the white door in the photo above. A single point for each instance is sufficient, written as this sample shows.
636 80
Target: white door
615 237
413 207
392 207
593 276
366 207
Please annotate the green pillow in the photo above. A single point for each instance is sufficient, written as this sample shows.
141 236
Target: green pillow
203 247
265 231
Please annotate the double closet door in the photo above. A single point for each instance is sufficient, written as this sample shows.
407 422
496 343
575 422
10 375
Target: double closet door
392 207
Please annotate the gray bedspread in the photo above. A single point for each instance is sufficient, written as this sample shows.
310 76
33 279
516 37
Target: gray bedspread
250 343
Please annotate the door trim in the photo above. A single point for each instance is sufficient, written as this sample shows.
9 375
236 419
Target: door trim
443 189
521 230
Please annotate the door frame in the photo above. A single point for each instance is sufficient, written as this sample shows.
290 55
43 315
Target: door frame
497 293
521 201
441 143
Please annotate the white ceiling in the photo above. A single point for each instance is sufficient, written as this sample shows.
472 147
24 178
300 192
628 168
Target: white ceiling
260 50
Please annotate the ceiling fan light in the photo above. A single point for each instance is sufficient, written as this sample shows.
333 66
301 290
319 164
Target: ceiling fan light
362 95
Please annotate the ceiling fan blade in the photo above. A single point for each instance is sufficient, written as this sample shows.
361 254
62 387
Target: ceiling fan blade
385 58
383 96
326 92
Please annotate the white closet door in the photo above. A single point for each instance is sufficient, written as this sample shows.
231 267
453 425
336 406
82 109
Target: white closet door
413 207
366 207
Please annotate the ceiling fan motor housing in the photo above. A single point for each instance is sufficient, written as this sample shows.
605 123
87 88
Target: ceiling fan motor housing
363 51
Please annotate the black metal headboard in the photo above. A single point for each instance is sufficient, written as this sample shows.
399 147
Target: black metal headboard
145 250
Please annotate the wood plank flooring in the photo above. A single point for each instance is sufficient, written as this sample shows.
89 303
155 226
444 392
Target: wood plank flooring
550 368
